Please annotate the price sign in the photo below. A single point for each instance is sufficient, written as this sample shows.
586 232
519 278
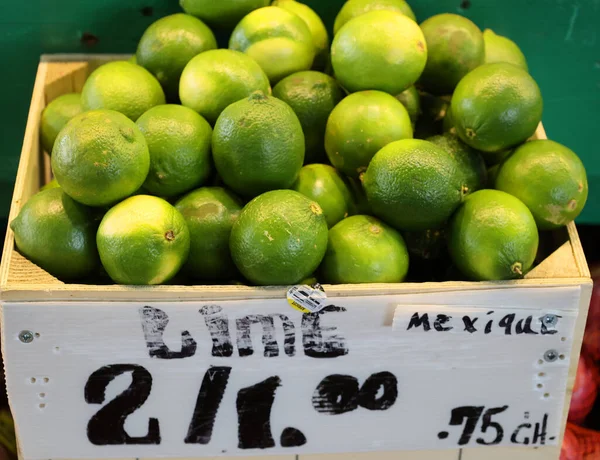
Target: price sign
254 377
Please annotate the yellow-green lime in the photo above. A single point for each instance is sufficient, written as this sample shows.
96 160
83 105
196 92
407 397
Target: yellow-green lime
312 96
56 115
354 8
57 234
496 106
325 185
52 184
362 249
360 125
122 86
210 213
470 162
179 144
549 178
215 79
132 59
316 27
279 238
280 41
258 145
493 236
168 45
412 102
503 49
100 157
381 50
414 185
142 241
222 13
455 46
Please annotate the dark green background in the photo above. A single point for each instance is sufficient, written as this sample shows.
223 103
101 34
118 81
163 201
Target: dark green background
561 39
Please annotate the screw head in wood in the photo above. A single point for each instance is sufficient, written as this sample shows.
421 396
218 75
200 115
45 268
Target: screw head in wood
26 336
551 356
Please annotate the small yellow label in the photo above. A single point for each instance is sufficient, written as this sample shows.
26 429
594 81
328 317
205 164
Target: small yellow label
307 299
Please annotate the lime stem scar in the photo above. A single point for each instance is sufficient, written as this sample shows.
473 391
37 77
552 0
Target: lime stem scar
517 268
170 236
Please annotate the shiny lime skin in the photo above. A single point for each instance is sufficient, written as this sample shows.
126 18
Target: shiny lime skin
100 157
122 86
143 241
315 25
258 145
277 39
549 178
216 79
455 46
179 144
354 8
493 236
380 50
325 185
56 115
167 46
413 185
503 49
279 238
470 162
496 106
58 234
224 14
360 125
362 249
312 96
209 213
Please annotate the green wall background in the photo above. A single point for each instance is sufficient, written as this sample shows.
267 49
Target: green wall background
561 39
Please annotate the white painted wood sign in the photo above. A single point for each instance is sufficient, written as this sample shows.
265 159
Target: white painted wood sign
255 377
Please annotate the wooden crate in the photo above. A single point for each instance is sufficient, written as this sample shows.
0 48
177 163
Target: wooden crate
561 282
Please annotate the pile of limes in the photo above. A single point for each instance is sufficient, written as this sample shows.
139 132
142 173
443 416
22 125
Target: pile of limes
290 156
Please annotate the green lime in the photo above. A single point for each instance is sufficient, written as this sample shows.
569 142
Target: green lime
354 8
215 79
362 249
312 96
122 86
360 126
471 164
455 46
496 106
224 13
279 238
412 102
425 244
316 27
258 145
143 240
414 185
52 184
381 50
179 143
56 115
326 186
549 178
434 110
492 236
169 44
100 157
278 40
502 49
210 213
57 234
